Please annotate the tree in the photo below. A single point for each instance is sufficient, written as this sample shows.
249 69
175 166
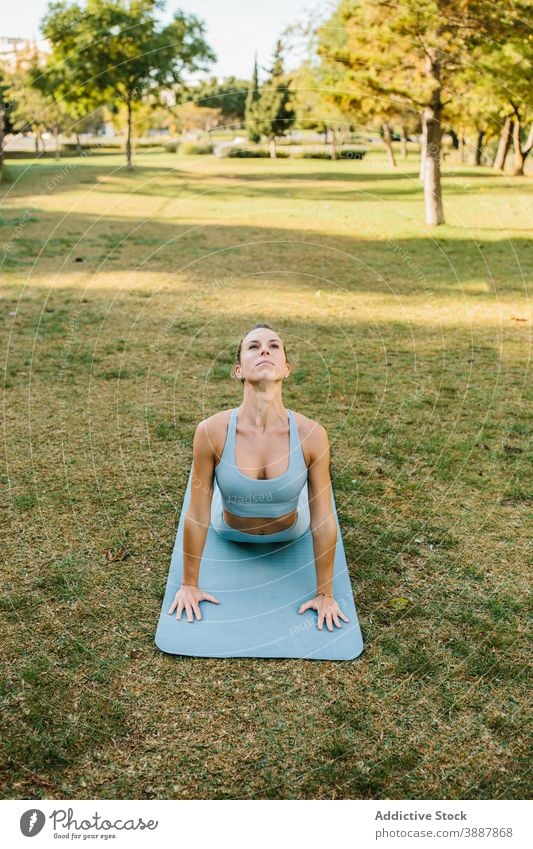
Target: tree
250 106
227 96
508 69
410 53
190 116
473 112
274 112
315 107
58 111
6 105
31 109
118 50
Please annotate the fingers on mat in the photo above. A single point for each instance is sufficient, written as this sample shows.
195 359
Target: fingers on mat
211 598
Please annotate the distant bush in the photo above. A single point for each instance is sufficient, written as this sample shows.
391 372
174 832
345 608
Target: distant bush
112 144
243 153
171 146
343 153
96 144
193 149
146 143
310 154
351 153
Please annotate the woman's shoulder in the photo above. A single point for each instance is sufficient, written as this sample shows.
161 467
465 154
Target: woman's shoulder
313 436
308 426
215 427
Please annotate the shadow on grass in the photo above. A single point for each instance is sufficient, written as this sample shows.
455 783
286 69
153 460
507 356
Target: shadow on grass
52 243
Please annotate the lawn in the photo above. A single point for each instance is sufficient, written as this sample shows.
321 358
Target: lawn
124 296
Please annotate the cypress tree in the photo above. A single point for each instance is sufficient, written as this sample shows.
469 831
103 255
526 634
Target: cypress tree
250 107
274 110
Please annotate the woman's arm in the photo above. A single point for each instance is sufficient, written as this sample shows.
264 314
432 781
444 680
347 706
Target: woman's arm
323 523
323 530
198 513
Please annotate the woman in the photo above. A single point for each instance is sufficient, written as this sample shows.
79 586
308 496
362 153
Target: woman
256 496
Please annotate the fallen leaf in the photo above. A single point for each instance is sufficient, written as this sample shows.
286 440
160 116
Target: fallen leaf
398 603
116 554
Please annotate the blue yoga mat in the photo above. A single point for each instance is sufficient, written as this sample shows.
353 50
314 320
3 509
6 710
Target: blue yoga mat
260 587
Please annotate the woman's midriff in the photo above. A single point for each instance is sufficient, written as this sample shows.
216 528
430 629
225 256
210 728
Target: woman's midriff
255 525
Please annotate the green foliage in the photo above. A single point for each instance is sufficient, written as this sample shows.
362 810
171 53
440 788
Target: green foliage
313 154
344 153
229 96
258 153
250 110
8 104
352 153
273 112
389 55
316 107
193 149
244 153
400 59
117 52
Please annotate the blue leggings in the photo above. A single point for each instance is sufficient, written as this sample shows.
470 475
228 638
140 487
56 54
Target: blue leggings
299 528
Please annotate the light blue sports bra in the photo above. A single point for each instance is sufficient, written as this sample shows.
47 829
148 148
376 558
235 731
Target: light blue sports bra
245 496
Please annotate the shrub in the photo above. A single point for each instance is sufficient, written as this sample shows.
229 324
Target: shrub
342 153
96 144
243 153
351 153
193 149
171 146
310 154
147 143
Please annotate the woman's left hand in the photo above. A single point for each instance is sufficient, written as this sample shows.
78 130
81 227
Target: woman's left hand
327 609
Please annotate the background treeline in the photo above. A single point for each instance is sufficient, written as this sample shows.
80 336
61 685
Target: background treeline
406 69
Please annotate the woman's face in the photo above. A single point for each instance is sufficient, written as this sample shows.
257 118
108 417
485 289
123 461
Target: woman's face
262 356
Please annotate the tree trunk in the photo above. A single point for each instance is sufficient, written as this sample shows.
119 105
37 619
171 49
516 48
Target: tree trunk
479 147
403 141
503 146
519 157
129 163
57 146
273 147
78 144
529 142
36 140
387 139
333 143
432 113
455 140
423 144
461 149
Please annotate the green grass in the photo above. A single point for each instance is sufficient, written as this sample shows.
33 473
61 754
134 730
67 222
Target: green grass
124 295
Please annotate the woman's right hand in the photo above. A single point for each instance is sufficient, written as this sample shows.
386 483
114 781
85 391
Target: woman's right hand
187 598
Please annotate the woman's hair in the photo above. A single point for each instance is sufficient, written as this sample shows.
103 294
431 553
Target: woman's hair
243 337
